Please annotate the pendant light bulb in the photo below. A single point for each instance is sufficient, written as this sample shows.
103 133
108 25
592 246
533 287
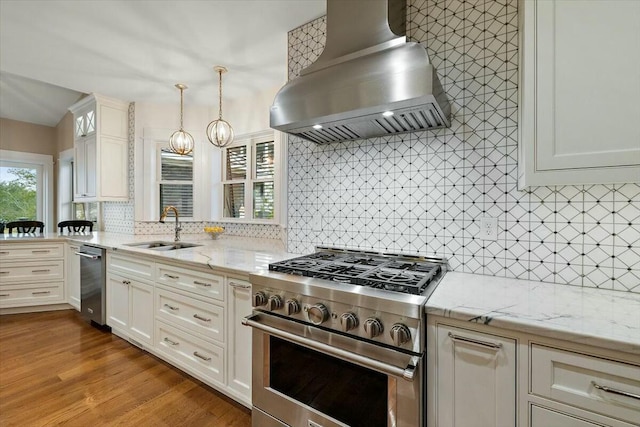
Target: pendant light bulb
181 141
219 132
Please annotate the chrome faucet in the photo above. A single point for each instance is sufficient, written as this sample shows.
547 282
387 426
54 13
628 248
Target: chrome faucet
163 216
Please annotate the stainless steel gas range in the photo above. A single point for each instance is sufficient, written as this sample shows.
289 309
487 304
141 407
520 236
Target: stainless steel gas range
339 339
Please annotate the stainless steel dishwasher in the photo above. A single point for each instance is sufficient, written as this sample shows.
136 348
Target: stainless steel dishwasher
93 284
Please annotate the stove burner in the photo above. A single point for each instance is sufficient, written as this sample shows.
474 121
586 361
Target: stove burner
387 272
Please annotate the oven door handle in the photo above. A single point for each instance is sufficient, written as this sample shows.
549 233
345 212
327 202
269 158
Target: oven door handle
407 372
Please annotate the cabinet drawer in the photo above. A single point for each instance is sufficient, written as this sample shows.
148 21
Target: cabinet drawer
204 284
196 316
27 294
543 417
32 271
130 266
191 352
574 379
31 251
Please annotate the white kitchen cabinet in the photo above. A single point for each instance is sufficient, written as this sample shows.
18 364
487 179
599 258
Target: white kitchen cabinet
239 345
475 378
101 149
31 274
73 275
130 308
543 417
579 86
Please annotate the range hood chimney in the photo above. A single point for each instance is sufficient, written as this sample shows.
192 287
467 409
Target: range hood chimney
369 81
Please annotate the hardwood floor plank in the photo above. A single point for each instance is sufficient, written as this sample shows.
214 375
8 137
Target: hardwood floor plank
56 369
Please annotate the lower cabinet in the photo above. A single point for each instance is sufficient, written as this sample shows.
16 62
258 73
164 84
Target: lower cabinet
475 378
483 376
130 308
189 317
239 360
73 275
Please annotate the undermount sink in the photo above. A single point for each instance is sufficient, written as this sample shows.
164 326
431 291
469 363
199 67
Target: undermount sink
162 246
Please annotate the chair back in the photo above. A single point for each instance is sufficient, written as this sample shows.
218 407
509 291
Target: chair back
75 226
25 226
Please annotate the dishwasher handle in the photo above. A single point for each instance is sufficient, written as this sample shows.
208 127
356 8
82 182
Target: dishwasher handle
82 254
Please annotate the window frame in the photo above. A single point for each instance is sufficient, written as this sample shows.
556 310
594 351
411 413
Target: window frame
44 186
251 141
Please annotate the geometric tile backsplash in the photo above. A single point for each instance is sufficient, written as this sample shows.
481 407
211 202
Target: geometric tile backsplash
425 192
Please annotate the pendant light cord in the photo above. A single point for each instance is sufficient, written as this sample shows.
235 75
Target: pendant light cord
220 94
181 109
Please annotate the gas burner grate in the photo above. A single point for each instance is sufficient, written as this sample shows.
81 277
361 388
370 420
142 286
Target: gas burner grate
364 260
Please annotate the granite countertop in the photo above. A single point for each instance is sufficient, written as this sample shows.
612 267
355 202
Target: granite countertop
598 317
229 253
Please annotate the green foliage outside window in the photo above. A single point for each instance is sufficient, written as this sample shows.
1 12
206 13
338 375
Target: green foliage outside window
18 199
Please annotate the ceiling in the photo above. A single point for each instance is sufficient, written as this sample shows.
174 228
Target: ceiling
52 51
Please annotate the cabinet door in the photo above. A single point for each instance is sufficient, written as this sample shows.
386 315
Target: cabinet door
239 306
118 302
476 379
579 109
73 276
141 311
542 417
84 164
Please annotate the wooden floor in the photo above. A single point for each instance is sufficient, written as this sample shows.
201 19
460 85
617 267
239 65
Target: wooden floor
55 369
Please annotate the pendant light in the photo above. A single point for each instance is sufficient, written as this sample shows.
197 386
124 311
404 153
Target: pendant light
181 141
220 132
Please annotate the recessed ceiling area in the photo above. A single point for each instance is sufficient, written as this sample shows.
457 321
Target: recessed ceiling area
138 50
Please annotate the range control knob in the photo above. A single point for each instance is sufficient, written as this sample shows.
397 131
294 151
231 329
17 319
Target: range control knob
259 298
317 314
348 321
274 302
291 307
400 334
372 327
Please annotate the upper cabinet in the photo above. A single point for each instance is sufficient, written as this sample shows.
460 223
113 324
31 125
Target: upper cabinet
101 149
579 89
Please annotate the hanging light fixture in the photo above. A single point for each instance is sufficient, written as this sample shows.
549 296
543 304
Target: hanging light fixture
181 141
220 132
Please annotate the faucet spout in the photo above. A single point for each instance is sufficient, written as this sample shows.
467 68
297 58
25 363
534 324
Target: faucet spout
163 216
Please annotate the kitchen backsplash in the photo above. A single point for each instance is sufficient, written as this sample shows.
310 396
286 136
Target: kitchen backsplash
425 192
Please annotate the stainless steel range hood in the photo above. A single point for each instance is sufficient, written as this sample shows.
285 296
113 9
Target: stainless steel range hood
366 72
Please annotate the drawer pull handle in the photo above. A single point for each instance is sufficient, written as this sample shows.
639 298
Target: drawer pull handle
204 319
475 341
239 285
126 282
4 272
206 285
170 307
199 356
170 276
4 252
5 295
41 251
44 270
170 342
40 293
614 391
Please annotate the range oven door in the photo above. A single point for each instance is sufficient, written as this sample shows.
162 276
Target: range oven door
306 376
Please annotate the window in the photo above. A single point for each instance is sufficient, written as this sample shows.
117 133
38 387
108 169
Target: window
249 179
26 188
175 184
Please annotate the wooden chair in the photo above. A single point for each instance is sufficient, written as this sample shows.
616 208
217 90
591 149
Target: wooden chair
75 226
25 226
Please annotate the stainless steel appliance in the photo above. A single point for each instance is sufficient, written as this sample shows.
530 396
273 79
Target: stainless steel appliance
339 339
368 81
93 284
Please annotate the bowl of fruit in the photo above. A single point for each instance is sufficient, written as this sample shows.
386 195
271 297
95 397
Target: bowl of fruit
214 232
